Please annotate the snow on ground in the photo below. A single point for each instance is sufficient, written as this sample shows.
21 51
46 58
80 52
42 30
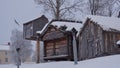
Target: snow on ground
103 62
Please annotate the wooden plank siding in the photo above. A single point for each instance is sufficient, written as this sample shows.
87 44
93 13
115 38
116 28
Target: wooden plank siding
95 42
30 28
28 32
110 42
90 41
57 45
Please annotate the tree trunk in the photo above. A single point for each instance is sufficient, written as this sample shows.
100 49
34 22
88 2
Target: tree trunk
57 9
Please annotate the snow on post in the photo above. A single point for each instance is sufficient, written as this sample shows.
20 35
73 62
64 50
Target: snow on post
118 42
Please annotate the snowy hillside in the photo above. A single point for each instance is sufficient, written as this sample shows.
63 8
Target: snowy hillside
103 62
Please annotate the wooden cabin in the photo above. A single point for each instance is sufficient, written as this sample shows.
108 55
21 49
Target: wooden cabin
57 40
30 28
98 37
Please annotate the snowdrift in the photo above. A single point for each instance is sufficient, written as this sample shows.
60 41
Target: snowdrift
102 62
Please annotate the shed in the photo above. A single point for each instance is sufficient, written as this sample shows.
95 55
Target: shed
30 28
57 39
98 37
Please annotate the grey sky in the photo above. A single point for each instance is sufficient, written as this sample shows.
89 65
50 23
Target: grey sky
21 10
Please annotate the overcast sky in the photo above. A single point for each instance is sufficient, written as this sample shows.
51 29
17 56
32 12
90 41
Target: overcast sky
21 10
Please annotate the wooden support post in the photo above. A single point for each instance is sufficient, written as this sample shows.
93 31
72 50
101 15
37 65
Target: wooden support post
38 51
74 32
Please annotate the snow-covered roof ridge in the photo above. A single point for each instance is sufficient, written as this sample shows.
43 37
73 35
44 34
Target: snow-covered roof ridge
4 47
107 23
35 18
69 25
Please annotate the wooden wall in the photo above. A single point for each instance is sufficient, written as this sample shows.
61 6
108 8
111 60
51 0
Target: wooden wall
90 41
56 47
110 39
56 43
39 24
52 33
30 28
27 30
95 42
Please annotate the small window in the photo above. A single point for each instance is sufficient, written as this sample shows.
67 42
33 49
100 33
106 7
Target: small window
0 61
5 52
6 59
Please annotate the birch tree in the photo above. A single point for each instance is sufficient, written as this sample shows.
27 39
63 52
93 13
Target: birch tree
25 46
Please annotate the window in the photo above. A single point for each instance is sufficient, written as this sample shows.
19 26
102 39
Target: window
5 52
6 59
0 61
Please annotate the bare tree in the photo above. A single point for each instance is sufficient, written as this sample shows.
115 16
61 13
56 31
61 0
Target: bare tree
18 42
93 6
116 8
103 7
110 8
96 6
60 8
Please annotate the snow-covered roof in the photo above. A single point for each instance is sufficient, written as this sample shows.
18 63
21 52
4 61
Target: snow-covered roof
69 25
118 42
4 47
107 23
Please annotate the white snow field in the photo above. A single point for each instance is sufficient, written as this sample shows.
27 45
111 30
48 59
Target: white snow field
102 62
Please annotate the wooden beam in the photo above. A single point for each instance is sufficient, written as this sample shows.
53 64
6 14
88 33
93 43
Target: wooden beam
38 51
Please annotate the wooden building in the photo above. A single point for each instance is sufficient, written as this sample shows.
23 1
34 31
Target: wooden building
98 37
57 39
29 32
30 28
